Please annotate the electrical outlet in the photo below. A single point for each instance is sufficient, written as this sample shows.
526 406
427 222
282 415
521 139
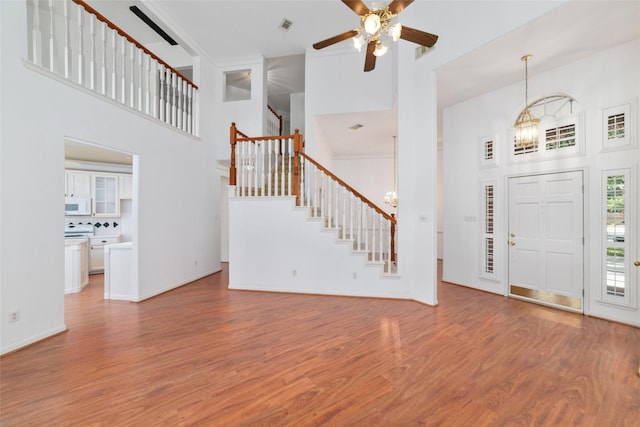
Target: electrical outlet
355 275
294 273
14 316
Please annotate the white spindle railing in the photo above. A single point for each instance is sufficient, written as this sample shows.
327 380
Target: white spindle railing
72 40
343 210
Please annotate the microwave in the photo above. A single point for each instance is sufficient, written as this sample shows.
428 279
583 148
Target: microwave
77 206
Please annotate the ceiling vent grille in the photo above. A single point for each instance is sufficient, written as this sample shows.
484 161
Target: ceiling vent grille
285 25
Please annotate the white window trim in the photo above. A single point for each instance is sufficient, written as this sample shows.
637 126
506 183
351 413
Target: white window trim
486 163
630 299
629 109
483 234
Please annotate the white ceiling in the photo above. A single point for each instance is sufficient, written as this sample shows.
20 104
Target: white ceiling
227 31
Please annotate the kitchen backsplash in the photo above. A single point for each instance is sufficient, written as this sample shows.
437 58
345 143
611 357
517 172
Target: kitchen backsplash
122 226
101 227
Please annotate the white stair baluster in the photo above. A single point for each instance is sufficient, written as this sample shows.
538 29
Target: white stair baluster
67 40
381 235
290 160
173 98
80 45
161 94
36 35
92 52
351 199
123 71
103 65
263 177
114 65
147 85
178 102
270 159
345 197
141 74
52 38
189 109
154 87
132 75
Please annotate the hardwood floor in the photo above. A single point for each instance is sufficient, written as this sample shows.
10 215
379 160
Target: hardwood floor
203 355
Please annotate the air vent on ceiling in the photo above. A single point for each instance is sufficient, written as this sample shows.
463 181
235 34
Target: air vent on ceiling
140 14
285 25
356 126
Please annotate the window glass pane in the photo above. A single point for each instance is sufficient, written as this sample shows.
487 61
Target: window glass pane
615 271
615 208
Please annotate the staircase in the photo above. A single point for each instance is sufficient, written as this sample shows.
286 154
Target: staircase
269 171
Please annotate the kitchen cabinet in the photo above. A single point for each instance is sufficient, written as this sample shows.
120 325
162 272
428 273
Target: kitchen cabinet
126 186
77 184
76 265
96 252
105 200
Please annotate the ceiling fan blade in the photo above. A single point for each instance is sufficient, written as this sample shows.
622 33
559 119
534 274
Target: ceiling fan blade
418 37
370 59
335 39
357 6
397 6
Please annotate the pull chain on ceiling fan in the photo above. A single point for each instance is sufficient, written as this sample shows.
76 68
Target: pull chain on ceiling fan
376 24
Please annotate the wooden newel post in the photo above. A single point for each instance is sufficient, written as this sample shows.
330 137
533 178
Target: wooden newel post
232 139
393 238
297 149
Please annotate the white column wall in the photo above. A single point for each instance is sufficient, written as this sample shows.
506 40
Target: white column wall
177 193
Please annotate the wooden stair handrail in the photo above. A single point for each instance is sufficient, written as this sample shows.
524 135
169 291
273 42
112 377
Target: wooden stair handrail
351 189
131 39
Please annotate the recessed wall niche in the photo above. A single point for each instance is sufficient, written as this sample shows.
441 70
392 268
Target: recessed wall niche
237 85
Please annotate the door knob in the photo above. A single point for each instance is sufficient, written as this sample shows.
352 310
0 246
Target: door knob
513 235
512 243
637 263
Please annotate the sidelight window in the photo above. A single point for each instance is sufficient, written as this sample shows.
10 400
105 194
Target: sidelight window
616 274
488 267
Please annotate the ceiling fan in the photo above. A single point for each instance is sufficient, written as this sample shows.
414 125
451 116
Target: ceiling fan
375 24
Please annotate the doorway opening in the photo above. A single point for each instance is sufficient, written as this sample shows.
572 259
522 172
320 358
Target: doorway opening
105 180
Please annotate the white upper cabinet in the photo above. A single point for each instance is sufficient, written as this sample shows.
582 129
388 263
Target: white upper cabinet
105 201
126 186
77 184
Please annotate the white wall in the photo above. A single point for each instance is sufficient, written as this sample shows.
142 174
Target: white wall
248 115
492 115
177 188
275 246
370 176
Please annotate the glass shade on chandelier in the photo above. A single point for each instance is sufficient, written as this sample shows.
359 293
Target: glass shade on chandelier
372 23
381 49
391 199
526 130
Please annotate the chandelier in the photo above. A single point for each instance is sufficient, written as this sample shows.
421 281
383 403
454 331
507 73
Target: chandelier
391 198
526 126
373 26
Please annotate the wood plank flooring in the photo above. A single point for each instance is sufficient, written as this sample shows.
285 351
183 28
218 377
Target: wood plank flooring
203 355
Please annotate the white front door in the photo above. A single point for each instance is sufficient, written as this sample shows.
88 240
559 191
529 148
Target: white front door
546 239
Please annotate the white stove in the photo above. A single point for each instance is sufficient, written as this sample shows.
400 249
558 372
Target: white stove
78 231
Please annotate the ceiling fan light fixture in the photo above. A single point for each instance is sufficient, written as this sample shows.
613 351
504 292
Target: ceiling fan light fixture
395 31
381 49
359 41
372 23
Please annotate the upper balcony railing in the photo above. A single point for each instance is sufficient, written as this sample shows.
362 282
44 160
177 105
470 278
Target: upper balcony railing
74 41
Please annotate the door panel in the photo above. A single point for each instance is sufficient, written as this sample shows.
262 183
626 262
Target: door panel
546 239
